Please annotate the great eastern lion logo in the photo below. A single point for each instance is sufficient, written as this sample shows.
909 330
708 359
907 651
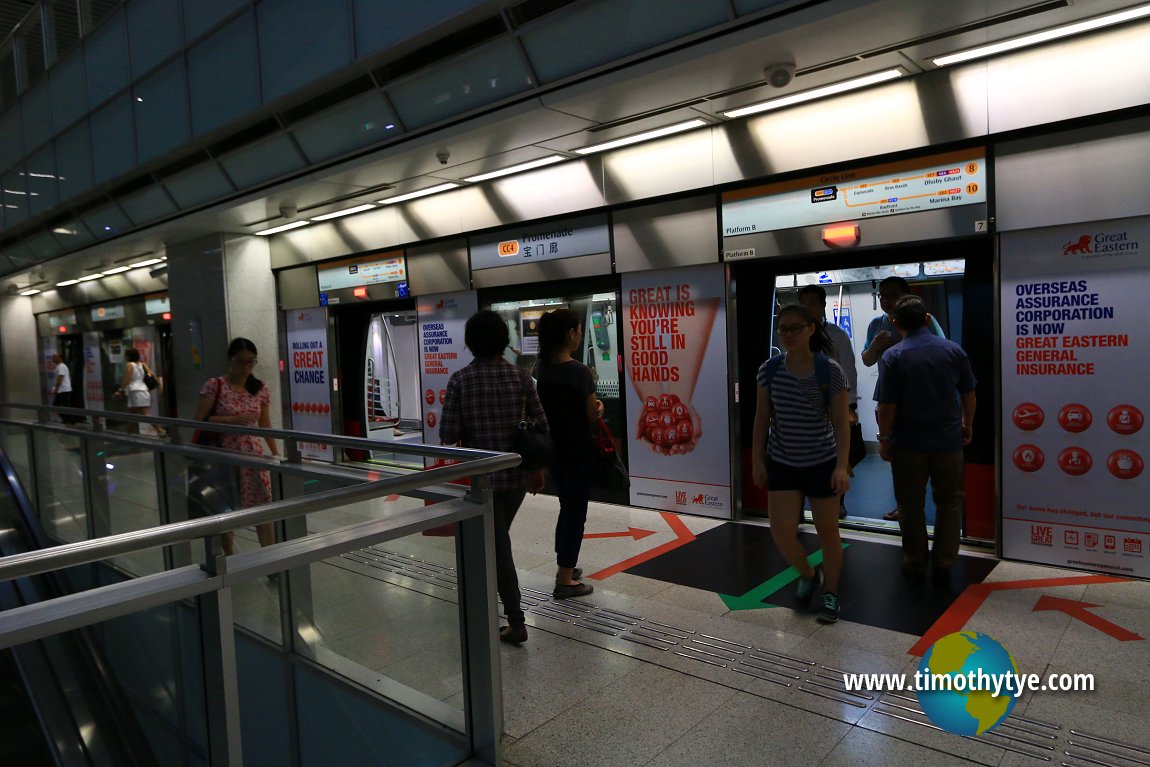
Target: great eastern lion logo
1082 246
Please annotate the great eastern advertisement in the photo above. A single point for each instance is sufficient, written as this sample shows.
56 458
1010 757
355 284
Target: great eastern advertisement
1074 396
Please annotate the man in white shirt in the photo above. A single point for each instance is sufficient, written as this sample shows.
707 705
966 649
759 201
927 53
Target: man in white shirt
62 389
813 298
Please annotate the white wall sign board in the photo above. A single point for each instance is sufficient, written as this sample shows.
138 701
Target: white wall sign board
578 237
310 378
675 358
442 318
1074 319
925 183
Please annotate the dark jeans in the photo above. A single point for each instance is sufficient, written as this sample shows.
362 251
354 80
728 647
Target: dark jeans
505 504
66 399
573 485
945 472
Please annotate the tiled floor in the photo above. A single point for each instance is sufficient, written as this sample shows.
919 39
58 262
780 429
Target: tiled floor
575 696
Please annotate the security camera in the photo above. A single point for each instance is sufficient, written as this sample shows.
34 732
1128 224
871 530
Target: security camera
443 156
287 210
780 75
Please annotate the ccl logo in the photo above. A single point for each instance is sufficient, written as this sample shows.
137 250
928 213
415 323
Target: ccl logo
509 248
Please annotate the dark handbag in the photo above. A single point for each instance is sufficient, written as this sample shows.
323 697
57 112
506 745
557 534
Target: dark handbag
858 446
610 473
211 484
150 380
534 445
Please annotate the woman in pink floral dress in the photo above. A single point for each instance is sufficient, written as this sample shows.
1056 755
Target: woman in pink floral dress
241 398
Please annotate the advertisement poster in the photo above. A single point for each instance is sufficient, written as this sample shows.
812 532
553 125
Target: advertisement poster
1074 396
675 358
442 318
307 366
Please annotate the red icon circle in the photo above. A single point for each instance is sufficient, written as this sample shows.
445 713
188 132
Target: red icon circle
431 420
1028 416
1075 418
442 396
326 409
1124 419
429 396
1075 461
1125 464
1028 457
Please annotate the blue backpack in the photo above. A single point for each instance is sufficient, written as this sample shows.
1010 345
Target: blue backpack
822 375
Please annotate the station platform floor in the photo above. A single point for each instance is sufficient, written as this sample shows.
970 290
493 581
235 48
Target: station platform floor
662 667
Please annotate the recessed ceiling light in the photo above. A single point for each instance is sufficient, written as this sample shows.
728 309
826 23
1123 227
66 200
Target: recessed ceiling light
66 283
516 168
147 262
815 93
283 228
340 213
1042 37
420 193
29 292
638 137
89 277
117 270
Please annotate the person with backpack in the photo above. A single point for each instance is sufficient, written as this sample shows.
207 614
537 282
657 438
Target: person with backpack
801 448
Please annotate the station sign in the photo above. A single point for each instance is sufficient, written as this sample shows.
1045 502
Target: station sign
583 236
361 271
908 186
107 312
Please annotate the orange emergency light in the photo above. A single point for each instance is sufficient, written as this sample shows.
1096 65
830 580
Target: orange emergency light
841 236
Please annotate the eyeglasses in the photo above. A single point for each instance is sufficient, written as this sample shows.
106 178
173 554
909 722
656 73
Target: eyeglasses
786 330
240 361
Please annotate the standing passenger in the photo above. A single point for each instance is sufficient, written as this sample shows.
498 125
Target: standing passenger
484 404
802 403
133 387
62 388
882 334
567 391
813 298
925 411
241 398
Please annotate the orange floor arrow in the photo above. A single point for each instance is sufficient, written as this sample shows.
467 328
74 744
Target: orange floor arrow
1081 611
683 535
634 532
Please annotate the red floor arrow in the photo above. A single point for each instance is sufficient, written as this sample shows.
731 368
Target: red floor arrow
1081 611
634 532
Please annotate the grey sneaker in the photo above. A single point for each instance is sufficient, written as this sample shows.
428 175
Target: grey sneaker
574 590
807 587
830 610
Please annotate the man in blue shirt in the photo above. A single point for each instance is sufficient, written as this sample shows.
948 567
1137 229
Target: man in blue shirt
881 334
925 410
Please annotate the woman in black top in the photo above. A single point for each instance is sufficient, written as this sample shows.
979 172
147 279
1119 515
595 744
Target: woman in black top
568 393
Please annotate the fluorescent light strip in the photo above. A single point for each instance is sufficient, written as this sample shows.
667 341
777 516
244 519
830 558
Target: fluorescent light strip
420 193
638 137
348 212
116 270
90 277
148 262
30 292
816 93
66 283
284 228
516 169
1042 37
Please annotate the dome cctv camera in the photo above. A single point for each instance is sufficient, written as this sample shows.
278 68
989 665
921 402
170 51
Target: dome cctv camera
780 75
287 210
443 156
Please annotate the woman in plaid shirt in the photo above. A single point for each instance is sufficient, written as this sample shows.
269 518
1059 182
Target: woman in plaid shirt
484 404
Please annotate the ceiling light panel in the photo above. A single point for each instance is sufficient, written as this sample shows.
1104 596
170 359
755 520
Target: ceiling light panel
284 228
341 213
420 193
640 137
516 169
816 93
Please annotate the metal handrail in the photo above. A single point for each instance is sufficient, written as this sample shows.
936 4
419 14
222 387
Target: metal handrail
84 552
335 440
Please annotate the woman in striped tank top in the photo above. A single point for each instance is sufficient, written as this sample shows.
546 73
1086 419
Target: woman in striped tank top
801 447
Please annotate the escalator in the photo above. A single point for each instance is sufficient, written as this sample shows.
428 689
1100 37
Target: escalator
58 702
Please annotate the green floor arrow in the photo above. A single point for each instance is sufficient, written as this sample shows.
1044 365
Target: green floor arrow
753 599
